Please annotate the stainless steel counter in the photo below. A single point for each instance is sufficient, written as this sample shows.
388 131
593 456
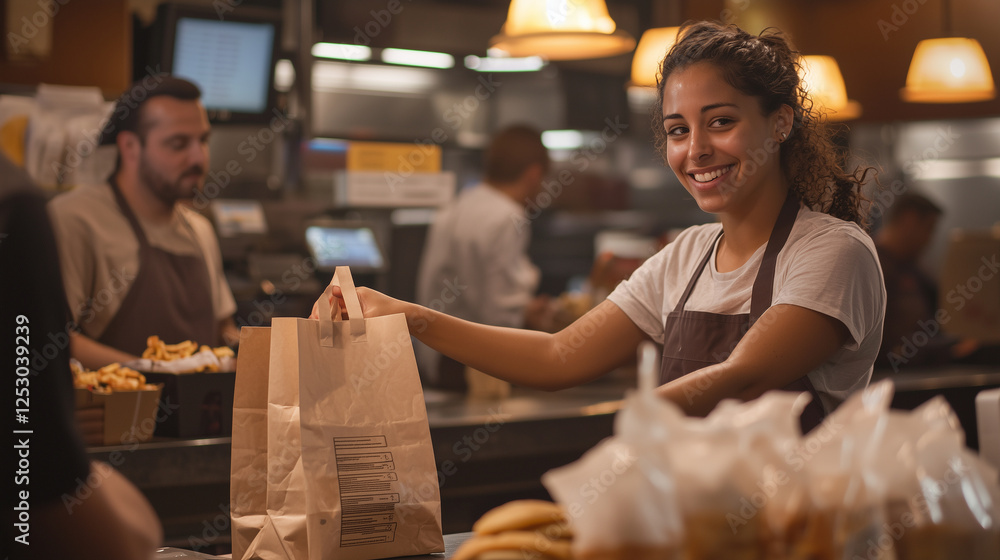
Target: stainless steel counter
958 384
451 544
488 452
947 377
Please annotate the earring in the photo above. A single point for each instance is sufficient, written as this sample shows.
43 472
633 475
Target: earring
784 136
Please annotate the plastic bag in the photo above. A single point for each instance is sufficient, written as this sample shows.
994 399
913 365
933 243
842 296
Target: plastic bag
620 497
941 500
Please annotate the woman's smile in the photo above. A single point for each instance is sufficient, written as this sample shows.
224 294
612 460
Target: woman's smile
710 177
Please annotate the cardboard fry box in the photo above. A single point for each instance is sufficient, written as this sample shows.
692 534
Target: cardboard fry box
195 404
969 294
129 416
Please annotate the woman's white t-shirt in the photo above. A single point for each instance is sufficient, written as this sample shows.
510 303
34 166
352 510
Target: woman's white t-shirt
827 265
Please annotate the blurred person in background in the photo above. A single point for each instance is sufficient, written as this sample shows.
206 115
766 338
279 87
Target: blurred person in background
76 508
136 260
911 293
475 262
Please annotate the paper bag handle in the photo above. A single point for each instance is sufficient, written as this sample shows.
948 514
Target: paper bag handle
341 277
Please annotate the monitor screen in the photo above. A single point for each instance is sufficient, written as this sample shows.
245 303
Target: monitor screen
228 60
334 246
235 217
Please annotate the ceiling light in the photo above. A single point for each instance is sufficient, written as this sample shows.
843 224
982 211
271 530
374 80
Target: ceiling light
824 84
341 51
653 46
949 70
561 30
504 64
424 59
342 76
284 75
562 139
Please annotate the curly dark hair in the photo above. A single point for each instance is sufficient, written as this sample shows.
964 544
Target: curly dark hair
766 67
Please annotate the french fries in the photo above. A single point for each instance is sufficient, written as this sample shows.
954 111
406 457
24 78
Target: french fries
156 349
112 377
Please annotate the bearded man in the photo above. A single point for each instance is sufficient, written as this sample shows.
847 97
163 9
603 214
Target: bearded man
136 259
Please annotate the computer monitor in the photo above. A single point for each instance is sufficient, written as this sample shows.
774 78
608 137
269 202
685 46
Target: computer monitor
353 244
237 217
230 56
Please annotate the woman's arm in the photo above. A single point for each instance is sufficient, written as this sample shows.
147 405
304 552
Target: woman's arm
590 347
786 343
93 354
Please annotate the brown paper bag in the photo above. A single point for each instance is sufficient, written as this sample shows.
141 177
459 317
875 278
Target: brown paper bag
248 482
969 297
350 468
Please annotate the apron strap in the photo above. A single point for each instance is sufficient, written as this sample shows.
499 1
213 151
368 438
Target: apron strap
763 286
697 273
127 212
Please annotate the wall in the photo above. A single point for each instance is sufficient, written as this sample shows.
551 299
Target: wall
873 41
91 45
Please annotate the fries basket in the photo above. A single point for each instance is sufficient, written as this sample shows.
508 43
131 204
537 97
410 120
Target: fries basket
195 404
198 383
129 416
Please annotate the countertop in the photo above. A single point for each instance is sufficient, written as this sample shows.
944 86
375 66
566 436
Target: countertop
451 544
942 377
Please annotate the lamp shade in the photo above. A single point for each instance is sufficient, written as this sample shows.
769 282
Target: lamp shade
653 46
561 30
824 84
949 70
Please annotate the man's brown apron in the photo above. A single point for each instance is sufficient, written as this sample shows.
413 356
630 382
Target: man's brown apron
696 339
171 296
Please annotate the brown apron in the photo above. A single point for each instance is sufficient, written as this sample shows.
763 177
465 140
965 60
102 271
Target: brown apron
171 296
696 339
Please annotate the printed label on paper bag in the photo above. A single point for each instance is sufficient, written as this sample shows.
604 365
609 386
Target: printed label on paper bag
367 478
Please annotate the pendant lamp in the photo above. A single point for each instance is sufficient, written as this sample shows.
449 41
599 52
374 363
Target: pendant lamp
824 84
948 70
653 46
561 30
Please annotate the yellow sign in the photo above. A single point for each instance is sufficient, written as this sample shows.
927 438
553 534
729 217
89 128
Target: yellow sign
394 157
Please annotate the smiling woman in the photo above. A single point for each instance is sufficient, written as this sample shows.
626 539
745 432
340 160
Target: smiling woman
784 293
745 77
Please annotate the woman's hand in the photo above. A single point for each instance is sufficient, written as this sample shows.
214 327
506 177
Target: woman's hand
373 304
